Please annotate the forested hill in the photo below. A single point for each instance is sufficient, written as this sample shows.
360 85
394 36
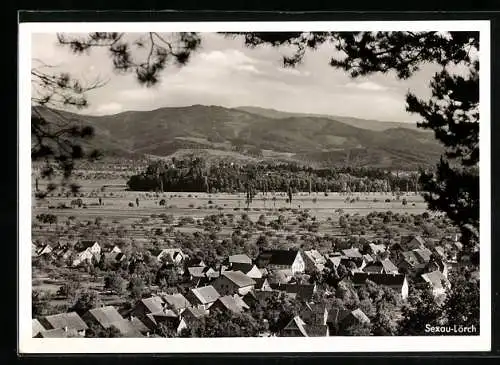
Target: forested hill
220 133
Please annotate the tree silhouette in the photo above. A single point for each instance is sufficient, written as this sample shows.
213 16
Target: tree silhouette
452 111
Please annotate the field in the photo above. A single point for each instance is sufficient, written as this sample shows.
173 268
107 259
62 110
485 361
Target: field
116 202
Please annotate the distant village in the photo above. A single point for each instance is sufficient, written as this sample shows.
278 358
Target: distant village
242 281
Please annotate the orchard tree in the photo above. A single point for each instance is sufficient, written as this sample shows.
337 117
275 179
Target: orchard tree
451 112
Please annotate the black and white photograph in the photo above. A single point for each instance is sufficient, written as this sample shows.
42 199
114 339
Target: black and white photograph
294 186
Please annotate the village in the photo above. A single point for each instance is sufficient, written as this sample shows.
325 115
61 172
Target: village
241 283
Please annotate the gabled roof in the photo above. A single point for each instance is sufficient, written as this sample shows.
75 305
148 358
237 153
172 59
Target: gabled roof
106 316
277 257
176 301
303 291
138 325
197 271
243 267
359 278
436 279
195 312
335 260
240 259
229 303
315 256
368 258
71 320
297 322
388 266
36 327
238 278
377 248
352 253
153 304
57 333
206 294
83 245
125 327
423 255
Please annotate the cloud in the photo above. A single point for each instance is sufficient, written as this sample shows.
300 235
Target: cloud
109 108
366 85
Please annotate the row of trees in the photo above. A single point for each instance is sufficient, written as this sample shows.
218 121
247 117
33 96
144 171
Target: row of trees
194 176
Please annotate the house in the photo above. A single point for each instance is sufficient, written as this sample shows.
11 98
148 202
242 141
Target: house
333 262
415 260
172 256
296 291
239 259
68 321
381 266
202 297
140 326
439 265
311 322
340 319
115 249
57 333
314 261
262 284
108 316
86 252
438 282
145 306
354 317
281 259
295 328
232 282
36 327
376 249
232 303
34 250
397 282
113 258
192 262
176 302
44 250
191 317
412 242
201 275
352 255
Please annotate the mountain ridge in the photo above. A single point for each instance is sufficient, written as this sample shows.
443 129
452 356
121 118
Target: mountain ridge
289 137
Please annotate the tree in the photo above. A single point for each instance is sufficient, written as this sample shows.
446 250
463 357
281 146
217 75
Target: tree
421 310
452 111
115 283
86 301
59 140
95 331
136 287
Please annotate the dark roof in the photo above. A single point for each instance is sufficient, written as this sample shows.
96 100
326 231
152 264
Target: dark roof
36 327
206 294
176 301
83 245
71 320
388 265
229 303
240 259
359 278
352 253
303 291
316 330
195 312
138 325
238 278
277 257
153 304
57 333
106 316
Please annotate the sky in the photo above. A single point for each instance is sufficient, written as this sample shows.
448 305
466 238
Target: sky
224 72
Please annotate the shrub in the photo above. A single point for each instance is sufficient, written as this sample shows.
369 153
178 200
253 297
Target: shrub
130 204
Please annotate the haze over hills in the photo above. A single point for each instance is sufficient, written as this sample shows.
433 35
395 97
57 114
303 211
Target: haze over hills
254 134
375 125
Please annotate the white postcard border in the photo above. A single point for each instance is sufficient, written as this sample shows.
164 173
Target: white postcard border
27 344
